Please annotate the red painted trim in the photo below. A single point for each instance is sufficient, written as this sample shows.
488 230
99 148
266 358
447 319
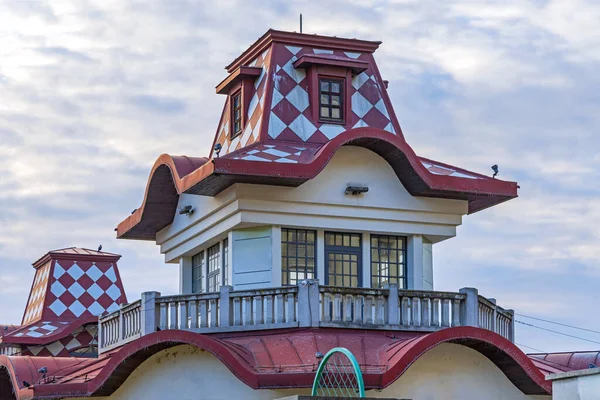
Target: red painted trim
307 60
57 255
236 76
302 39
410 351
62 332
496 190
183 178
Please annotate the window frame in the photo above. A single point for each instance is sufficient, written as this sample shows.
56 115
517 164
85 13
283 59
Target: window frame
213 268
198 288
233 108
285 265
335 249
341 94
225 261
400 263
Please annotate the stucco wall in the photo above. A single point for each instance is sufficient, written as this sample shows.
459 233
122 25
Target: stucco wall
447 372
577 385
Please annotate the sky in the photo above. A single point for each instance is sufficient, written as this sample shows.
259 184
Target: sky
91 93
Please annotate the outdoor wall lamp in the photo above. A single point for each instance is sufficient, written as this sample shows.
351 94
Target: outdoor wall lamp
355 190
187 210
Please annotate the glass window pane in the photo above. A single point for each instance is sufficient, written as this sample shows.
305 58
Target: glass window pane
324 86
335 87
324 99
325 112
297 255
355 241
335 113
335 100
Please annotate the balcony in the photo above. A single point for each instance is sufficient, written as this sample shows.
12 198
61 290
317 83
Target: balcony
306 305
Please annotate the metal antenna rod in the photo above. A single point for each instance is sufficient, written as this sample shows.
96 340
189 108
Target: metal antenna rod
300 22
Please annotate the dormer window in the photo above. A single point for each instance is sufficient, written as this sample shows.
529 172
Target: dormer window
236 114
331 95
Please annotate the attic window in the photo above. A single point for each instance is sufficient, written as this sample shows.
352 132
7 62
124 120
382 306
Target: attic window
331 94
236 113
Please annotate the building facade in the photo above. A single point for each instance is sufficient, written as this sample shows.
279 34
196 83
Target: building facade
310 225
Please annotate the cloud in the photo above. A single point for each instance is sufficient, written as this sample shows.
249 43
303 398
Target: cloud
92 92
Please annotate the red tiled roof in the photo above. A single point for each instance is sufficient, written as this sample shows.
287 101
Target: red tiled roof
271 359
567 361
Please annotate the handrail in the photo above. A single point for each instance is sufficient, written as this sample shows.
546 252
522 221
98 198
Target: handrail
306 305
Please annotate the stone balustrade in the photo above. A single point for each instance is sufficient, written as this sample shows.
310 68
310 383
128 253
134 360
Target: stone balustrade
306 305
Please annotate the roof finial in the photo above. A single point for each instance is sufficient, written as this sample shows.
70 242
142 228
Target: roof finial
300 22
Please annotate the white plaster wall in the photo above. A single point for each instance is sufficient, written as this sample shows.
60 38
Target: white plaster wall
447 372
585 387
252 258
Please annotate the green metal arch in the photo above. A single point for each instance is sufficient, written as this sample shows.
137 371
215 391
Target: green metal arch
353 362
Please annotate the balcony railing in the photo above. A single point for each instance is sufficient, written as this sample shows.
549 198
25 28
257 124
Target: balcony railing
305 305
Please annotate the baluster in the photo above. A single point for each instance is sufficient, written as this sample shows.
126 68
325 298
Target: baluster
415 311
237 311
435 318
172 315
445 312
455 312
368 310
247 310
193 314
337 308
203 314
405 311
183 315
290 314
426 312
258 311
214 313
269 304
279 312
326 307
358 311
380 311
348 308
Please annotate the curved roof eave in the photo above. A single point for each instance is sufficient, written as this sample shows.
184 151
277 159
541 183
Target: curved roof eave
169 178
120 363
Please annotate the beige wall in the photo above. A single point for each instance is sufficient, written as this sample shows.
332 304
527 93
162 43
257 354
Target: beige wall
576 385
447 372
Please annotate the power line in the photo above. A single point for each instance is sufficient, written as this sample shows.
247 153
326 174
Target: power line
559 323
558 333
529 347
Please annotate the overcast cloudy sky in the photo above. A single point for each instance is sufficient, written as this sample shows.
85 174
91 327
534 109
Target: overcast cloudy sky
91 92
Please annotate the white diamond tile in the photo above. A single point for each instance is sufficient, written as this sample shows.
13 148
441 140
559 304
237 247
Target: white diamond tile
58 270
294 49
297 74
286 160
277 97
58 307
390 128
360 105
76 290
77 308
331 130
382 108
110 274
55 347
252 105
360 124
57 289
94 273
276 126
114 292
298 97
73 344
35 334
36 350
352 55
96 308
258 80
322 51
48 327
359 80
302 127
112 307
276 152
75 271
254 158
